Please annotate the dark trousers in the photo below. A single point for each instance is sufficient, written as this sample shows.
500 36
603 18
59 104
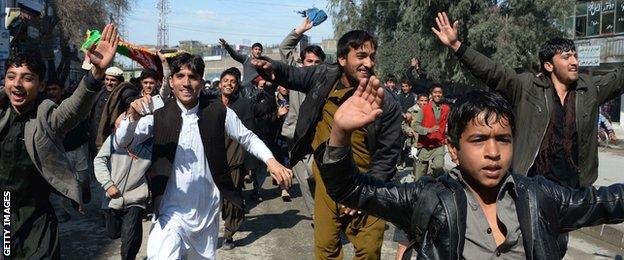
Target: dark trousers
131 231
233 215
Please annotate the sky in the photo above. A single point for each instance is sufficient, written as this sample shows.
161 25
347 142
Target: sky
237 21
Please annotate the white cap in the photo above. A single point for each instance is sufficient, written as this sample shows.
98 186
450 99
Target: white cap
114 71
215 79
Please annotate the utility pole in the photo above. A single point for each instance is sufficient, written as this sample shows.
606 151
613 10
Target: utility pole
163 27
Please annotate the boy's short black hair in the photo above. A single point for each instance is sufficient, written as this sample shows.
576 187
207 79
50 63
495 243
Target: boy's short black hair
194 62
552 47
471 105
390 77
33 62
421 95
233 71
354 39
405 81
314 49
434 86
257 44
148 73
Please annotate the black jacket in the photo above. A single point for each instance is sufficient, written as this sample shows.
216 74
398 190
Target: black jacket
248 111
316 81
433 211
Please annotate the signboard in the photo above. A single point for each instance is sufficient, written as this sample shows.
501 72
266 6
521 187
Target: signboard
589 56
4 44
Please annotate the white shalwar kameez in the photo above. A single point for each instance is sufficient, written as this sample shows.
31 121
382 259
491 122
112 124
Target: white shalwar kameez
188 222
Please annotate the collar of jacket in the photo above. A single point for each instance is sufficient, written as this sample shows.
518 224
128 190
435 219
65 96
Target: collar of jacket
455 203
541 80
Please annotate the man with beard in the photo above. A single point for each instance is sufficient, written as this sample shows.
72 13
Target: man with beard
558 107
375 147
149 82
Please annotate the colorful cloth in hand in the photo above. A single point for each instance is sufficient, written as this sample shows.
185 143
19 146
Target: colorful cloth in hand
315 15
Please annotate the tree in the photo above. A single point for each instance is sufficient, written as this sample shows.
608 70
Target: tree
66 21
509 31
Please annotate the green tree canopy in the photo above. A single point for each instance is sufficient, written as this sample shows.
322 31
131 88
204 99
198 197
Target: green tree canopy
509 31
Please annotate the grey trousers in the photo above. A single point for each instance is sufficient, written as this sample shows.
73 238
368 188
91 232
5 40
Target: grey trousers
303 173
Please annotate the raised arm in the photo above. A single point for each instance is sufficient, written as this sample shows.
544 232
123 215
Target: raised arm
235 55
289 44
587 206
165 88
76 108
611 85
294 78
342 180
498 77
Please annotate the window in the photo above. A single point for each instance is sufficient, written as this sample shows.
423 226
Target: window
580 25
593 18
608 17
619 16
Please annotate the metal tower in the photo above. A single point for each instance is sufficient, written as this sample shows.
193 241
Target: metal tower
163 27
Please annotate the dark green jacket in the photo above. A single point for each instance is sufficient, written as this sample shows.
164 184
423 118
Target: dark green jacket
531 98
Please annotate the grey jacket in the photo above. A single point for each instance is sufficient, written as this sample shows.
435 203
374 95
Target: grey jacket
43 135
113 166
530 95
287 51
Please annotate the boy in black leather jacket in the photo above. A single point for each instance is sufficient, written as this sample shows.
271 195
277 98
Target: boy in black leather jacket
479 210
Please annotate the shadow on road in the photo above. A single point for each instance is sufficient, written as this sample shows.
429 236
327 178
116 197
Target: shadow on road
261 225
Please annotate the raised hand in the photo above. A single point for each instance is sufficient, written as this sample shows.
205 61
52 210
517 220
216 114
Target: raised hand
305 25
362 108
415 63
163 60
223 42
446 32
102 54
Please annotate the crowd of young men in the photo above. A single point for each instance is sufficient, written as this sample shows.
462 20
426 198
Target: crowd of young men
181 149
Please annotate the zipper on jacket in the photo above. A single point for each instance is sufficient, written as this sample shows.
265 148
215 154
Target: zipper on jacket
543 134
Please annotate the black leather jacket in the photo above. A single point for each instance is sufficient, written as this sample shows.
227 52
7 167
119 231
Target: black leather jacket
433 211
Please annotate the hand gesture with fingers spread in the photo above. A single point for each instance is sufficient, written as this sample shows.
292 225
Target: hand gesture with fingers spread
362 108
102 54
446 32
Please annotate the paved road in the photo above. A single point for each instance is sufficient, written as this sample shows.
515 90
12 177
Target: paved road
274 230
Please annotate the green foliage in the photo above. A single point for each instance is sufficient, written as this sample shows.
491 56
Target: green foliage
509 31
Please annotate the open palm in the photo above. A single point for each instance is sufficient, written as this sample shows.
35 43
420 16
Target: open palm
362 108
446 32
102 54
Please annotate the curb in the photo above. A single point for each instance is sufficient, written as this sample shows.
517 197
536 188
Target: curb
607 234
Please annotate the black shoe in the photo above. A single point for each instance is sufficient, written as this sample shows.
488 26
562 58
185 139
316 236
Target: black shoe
228 244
